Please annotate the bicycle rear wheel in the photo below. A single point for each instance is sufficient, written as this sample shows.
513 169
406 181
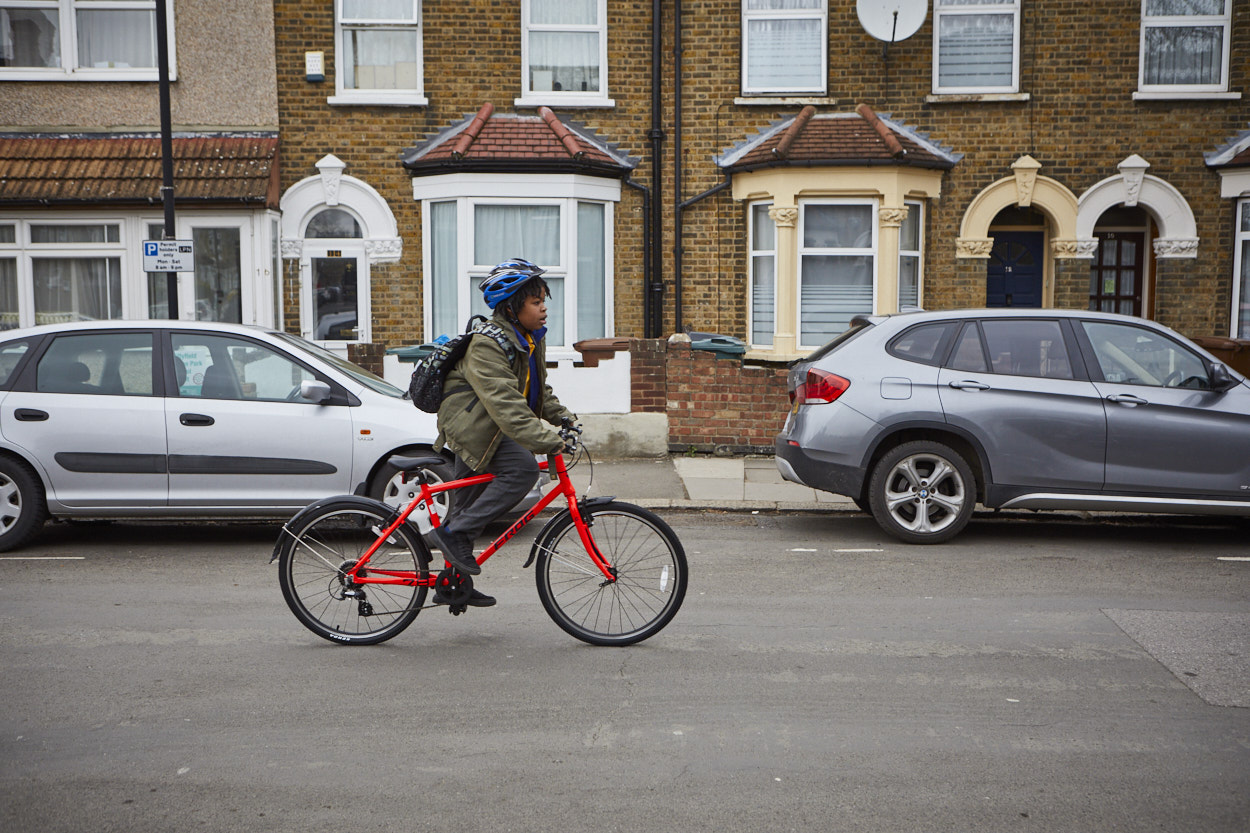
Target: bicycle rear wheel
320 544
650 567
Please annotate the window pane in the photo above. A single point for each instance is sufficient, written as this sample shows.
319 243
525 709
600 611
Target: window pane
564 61
1185 7
380 59
76 289
117 38
591 272
119 364
379 10
976 50
335 310
909 232
763 229
968 355
833 290
920 344
29 38
10 355
837 227
1134 356
8 293
74 234
333 222
573 12
218 274
8 234
763 299
505 231
1243 315
785 55
1027 348
908 281
443 271
1245 215
1184 55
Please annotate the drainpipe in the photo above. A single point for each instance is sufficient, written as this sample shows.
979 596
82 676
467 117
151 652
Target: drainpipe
677 167
648 245
653 294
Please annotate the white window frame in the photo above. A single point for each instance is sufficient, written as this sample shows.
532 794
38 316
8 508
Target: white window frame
752 254
1223 21
803 251
941 12
471 190
1241 254
564 98
821 13
67 31
914 209
407 97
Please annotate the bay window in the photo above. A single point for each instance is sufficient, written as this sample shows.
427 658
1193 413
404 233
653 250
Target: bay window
568 237
1185 46
379 53
784 47
80 40
976 46
564 51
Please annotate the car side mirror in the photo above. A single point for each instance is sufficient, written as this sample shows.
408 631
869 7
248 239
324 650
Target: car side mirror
1221 379
314 390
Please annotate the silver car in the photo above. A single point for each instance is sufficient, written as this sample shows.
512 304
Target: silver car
175 419
920 416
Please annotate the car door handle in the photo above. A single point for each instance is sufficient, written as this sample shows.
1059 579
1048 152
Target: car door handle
196 419
30 415
1128 399
968 384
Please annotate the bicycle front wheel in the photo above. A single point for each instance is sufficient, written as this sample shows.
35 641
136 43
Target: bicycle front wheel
650 568
317 549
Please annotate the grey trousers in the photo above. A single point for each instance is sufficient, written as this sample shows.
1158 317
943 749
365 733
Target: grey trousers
515 471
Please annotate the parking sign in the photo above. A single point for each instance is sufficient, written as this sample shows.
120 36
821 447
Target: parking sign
168 256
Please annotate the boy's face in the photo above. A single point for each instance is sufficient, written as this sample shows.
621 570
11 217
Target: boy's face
533 313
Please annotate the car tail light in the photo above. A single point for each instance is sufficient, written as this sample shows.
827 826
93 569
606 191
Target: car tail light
818 388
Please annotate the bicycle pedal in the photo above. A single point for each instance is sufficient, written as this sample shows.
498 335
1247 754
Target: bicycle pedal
456 610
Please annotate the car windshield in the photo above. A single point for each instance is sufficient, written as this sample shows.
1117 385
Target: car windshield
366 378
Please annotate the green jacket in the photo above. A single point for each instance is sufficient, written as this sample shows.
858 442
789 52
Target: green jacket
472 421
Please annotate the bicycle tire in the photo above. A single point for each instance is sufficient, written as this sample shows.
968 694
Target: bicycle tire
315 547
651 575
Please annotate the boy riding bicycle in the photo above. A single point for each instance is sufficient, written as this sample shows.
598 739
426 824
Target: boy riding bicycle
495 413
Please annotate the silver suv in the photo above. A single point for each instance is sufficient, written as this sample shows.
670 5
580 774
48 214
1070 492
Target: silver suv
920 416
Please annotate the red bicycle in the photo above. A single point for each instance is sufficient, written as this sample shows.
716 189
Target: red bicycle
354 570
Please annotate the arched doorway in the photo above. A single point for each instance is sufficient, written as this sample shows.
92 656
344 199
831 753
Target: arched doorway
1016 271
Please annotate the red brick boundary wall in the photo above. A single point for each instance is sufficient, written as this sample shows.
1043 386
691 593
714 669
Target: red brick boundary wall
714 403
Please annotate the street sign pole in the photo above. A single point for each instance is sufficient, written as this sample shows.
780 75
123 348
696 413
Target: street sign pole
167 147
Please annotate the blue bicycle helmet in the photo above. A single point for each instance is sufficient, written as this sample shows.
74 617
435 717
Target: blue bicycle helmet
506 278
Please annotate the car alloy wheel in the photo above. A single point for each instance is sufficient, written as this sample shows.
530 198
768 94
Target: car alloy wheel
922 492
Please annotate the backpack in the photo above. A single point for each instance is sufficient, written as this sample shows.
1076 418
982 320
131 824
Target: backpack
426 386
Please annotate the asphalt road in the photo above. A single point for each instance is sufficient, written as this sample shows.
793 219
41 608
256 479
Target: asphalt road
1043 675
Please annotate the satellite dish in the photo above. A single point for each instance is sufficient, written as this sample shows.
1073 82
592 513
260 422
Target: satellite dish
891 20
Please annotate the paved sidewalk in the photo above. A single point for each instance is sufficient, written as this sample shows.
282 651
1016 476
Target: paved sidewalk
729 483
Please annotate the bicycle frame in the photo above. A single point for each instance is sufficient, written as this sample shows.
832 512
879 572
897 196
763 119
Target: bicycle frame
408 578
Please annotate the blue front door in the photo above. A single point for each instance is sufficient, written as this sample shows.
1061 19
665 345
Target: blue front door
1013 277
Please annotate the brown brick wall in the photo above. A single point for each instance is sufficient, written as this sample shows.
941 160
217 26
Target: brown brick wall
720 403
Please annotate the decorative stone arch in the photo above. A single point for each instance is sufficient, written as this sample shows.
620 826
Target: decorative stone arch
1027 190
331 188
1178 231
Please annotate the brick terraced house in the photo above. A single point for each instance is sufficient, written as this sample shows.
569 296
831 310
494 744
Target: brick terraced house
763 169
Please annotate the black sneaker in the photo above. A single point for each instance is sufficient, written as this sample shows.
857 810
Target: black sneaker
458 551
476 599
